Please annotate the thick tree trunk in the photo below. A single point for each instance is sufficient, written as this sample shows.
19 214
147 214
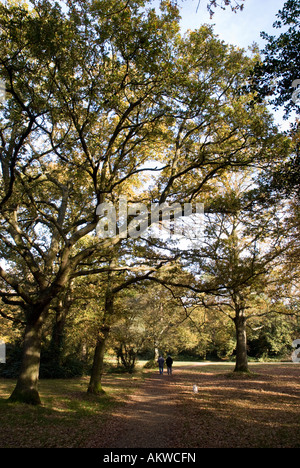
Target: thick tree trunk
241 364
26 389
95 385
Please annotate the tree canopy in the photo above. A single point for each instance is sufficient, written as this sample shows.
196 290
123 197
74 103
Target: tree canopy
276 75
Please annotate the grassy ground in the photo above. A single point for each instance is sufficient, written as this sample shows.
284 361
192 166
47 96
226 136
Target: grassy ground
68 415
261 410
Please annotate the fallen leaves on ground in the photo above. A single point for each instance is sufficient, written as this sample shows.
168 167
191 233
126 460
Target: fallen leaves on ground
259 410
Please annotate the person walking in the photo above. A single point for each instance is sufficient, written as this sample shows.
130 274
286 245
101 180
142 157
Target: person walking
161 361
169 362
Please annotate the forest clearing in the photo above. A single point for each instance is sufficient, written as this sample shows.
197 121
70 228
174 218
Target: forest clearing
261 410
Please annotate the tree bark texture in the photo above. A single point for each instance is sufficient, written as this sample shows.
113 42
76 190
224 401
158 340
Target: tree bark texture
95 385
26 389
241 364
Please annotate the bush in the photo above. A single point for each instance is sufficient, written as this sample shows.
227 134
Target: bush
11 369
118 369
69 367
150 364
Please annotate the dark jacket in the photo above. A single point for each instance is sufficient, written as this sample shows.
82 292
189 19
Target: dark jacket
169 361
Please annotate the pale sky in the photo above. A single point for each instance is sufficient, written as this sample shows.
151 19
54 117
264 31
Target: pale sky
241 28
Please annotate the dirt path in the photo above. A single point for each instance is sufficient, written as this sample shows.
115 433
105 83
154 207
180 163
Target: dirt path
256 412
149 419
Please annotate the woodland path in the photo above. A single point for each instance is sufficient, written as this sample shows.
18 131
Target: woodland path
259 411
149 419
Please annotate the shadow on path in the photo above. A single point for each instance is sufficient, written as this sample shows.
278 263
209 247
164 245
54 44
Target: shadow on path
149 419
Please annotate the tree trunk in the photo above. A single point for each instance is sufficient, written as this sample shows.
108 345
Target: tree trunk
95 385
26 389
241 364
58 332
57 339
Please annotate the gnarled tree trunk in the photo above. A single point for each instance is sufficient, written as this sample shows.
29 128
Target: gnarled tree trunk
26 389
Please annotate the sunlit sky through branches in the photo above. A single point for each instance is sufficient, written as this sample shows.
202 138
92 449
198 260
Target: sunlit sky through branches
241 29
